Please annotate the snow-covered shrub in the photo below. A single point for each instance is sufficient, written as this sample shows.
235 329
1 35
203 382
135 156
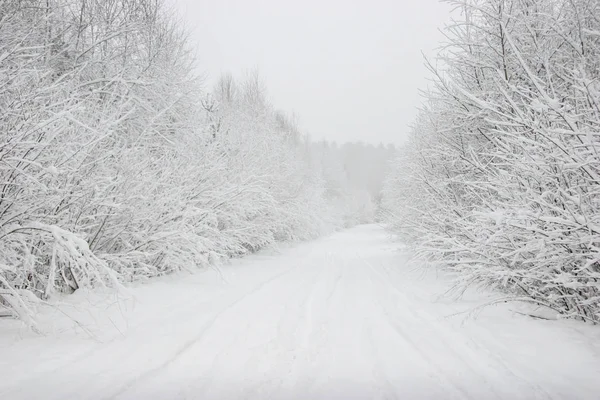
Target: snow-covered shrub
117 165
501 178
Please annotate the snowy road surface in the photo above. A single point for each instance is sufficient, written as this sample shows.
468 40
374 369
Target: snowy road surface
343 317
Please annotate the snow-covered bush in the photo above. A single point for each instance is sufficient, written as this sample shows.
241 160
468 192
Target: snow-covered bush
501 178
116 165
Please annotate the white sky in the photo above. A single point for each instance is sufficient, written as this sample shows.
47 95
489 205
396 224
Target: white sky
350 70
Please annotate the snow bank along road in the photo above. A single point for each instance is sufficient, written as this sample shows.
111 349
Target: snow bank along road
343 317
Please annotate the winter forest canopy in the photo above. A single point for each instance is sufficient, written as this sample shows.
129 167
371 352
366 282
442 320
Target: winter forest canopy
119 164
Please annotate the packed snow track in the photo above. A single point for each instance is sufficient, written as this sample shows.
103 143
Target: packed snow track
344 317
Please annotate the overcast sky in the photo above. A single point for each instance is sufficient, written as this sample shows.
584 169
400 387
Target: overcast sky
349 69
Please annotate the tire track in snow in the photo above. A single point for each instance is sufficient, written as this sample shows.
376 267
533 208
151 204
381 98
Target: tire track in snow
450 345
540 392
282 349
322 289
440 375
198 337
297 353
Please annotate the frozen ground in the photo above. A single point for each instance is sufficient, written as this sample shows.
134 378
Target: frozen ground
343 317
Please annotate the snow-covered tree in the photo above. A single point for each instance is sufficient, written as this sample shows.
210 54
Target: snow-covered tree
118 165
501 178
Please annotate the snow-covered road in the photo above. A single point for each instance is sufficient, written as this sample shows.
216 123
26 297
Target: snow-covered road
343 317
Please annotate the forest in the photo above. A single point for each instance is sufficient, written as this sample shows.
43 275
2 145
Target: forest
173 232
118 164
